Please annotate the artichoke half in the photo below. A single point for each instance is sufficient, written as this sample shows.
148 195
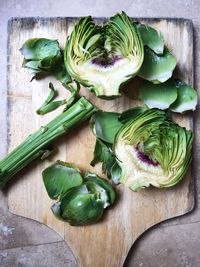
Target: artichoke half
151 149
102 58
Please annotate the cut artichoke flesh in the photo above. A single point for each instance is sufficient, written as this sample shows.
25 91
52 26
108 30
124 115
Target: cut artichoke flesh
103 58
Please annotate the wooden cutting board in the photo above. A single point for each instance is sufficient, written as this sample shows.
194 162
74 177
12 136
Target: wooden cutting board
105 244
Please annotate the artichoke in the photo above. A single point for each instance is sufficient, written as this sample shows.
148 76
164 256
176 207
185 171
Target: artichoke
81 200
151 149
102 58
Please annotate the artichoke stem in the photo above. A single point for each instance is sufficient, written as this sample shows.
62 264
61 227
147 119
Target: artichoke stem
37 144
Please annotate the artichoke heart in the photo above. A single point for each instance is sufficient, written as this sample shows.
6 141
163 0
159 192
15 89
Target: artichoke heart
153 150
104 57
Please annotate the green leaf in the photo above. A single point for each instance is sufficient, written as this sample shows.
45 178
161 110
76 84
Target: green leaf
103 153
131 114
58 70
59 177
158 95
115 173
44 56
40 48
74 88
32 66
105 125
49 99
52 94
94 178
80 207
56 210
151 38
157 68
187 98
50 107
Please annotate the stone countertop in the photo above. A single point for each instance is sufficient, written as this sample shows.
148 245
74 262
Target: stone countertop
24 242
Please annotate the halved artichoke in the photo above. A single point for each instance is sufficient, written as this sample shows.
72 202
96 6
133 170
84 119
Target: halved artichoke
152 150
102 58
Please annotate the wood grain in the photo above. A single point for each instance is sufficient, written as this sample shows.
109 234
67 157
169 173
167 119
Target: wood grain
107 243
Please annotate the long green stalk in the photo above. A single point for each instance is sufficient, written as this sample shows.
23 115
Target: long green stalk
37 144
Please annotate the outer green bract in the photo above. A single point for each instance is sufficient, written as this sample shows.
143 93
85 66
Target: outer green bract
104 57
151 38
187 97
44 57
158 95
157 68
60 177
79 206
81 201
152 150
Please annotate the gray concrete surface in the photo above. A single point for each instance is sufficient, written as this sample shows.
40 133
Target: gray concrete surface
27 243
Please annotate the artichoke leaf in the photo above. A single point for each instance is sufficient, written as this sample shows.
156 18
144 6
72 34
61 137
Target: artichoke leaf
103 153
44 57
59 177
32 66
105 125
186 99
130 114
40 48
80 207
58 70
157 68
51 96
81 200
55 208
158 95
115 173
49 105
94 178
151 38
